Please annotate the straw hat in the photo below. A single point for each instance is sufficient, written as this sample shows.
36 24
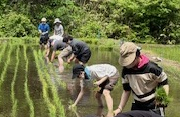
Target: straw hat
127 53
43 19
57 20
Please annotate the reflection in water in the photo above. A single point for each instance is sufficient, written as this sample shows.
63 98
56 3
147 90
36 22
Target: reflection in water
99 113
88 106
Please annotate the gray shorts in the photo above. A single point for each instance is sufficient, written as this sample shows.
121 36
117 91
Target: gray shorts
65 53
109 83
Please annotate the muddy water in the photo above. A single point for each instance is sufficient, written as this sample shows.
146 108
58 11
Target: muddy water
88 107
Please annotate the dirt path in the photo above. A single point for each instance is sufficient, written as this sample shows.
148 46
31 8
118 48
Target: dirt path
154 57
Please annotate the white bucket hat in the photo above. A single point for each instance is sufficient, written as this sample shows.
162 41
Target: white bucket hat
57 20
43 19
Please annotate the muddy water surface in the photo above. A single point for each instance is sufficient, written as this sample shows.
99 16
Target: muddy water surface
14 102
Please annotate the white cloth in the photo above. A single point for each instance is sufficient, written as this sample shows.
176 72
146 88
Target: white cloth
56 37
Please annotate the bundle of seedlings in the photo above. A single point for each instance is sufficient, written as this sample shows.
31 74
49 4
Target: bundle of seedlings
162 99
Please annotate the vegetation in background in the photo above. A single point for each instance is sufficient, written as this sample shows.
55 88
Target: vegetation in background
144 21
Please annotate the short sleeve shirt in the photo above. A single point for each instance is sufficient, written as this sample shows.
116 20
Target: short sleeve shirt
58 45
99 71
78 47
58 30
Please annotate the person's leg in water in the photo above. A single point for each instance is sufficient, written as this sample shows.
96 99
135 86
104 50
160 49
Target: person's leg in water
99 99
66 52
109 102
61 62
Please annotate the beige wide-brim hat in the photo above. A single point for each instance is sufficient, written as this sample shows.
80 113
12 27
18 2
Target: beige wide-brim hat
43 19
127 53
57 20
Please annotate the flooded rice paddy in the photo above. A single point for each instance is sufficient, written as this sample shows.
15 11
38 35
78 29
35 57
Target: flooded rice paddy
29 87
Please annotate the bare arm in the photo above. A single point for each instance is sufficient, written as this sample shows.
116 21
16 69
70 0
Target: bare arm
80 95
62 33
71 58
124 99
101 81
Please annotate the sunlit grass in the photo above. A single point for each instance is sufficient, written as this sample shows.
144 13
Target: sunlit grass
165 51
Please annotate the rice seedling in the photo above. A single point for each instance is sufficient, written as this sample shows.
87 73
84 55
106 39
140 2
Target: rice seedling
50 106
30 102
14 100
55 100
2 51
7 62
162 99
55 76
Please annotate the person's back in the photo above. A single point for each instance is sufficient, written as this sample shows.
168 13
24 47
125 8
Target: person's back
58 45
101 70
81 51
79 47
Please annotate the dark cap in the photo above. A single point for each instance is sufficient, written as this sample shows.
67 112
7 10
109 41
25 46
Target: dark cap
77 68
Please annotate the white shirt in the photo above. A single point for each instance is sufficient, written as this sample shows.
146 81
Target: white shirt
99 71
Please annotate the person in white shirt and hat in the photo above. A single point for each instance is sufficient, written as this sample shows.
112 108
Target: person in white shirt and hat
58 28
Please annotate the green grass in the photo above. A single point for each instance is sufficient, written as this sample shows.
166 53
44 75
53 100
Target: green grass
170 52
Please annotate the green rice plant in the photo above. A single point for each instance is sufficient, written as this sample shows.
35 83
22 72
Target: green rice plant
30 102
162 99
14 108
55 100
54 74
14 100
2 51
51 107
3 74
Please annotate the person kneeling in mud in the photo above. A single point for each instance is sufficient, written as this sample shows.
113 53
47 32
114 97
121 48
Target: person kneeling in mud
106 78
65 49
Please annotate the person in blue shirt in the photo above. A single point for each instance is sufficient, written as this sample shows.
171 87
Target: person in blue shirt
43 29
